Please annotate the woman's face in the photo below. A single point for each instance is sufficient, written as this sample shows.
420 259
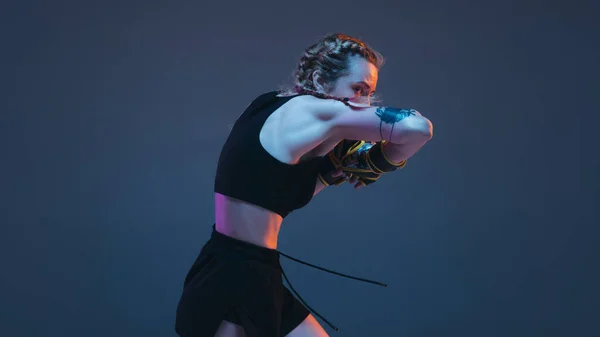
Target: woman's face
359 84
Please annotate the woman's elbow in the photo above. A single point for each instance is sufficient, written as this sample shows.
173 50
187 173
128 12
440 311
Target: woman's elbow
421 130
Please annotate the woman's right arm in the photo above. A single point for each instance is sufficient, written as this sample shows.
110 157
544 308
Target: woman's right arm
405 130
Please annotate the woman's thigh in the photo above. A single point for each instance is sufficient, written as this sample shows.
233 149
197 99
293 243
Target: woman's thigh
228 329
310 327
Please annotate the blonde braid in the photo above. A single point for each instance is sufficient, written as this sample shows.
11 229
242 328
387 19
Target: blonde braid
330 57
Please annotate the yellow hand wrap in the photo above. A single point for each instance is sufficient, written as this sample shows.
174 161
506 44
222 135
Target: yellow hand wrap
366 162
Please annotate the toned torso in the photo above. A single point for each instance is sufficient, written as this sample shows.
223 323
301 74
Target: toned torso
254 224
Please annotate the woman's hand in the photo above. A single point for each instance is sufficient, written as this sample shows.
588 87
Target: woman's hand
351 180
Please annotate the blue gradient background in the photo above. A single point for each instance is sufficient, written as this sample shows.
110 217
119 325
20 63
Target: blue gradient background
112 118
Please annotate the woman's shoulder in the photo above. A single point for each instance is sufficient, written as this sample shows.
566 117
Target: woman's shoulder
272 97
291 100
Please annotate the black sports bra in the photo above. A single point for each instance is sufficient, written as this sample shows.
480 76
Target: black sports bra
246 171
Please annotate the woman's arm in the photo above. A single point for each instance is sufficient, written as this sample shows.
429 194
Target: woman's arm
363 163
319 186
370 123
404 130
400 152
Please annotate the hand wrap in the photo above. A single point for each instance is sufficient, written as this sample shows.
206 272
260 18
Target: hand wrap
362 160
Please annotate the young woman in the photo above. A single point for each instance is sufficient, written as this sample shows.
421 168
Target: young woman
271 165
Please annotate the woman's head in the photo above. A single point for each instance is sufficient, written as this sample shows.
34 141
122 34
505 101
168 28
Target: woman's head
340 66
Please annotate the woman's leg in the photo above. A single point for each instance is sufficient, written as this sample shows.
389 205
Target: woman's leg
228 329
310 327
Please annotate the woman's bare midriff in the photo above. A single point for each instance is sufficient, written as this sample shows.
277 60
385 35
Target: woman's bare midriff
246 222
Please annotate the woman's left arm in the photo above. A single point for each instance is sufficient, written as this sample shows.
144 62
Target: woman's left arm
320 185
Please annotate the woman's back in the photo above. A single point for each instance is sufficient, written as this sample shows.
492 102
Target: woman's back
267 169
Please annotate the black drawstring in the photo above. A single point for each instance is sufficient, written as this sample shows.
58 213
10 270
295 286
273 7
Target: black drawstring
306 304
326 270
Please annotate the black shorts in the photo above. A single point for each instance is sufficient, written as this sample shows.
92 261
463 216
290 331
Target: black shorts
241 283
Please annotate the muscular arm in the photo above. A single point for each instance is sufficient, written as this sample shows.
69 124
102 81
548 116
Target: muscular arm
404 130
398 152
385 155
395 125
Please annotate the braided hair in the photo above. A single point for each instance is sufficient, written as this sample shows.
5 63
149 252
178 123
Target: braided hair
329 56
